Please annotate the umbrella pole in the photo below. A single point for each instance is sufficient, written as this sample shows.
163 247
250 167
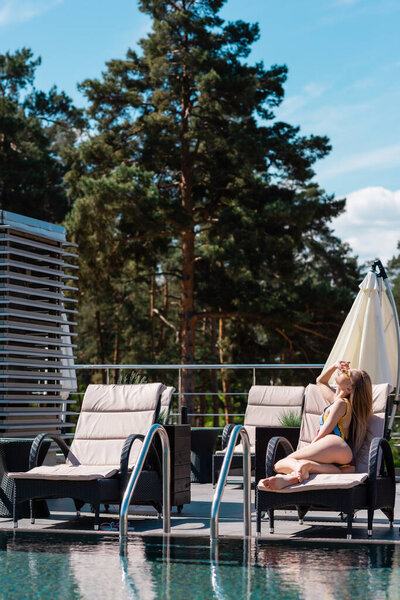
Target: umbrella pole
377 265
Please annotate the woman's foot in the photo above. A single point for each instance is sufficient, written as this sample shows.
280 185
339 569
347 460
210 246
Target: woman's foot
279 481
303 470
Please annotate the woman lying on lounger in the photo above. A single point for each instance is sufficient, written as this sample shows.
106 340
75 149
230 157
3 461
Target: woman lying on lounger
342 429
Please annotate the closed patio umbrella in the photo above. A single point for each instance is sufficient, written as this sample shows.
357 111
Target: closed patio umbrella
369 337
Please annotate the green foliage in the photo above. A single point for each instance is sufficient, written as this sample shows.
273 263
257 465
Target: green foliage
163 417
393 271
35 128
290 418
131 378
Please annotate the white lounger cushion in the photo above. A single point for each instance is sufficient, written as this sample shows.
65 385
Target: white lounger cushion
376 424
59 472
342 481
166 398
265 407
237 450
109 414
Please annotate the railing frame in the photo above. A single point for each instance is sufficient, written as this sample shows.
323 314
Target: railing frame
193 367
237 431
134 478
253 367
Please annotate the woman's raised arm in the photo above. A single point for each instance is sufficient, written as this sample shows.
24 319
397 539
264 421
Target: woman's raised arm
323 379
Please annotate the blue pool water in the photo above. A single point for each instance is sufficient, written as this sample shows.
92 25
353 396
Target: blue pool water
52 566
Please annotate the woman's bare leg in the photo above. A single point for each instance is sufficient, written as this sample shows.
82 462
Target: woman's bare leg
318 457
280 481
291 471
301 471
329 449
302 466
310 467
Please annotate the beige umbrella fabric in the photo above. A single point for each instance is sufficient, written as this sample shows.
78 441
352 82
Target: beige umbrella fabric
368 338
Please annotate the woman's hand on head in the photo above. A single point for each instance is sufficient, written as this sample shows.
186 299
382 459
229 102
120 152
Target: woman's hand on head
342 364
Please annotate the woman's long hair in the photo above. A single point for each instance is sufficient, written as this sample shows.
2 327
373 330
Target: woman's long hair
361 403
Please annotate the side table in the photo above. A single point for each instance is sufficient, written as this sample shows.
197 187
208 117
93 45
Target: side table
14 456
203 440
179 441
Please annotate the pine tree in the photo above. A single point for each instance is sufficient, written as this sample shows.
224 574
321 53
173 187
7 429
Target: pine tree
35 127
235 204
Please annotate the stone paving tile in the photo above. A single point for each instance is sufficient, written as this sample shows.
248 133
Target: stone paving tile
195 520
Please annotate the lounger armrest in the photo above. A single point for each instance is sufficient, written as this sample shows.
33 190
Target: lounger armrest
387 464
226 434
37 444
152 460
125 452
276 443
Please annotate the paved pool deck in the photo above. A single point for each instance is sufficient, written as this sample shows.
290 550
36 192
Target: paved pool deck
194 520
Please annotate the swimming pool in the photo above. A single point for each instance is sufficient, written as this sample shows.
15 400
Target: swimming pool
52 566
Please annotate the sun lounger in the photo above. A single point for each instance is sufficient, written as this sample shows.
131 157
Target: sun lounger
113 420
372 486
266 406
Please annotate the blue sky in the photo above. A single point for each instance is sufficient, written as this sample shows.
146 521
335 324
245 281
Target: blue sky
344 82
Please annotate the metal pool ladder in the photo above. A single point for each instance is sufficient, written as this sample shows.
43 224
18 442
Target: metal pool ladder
130 488
237 431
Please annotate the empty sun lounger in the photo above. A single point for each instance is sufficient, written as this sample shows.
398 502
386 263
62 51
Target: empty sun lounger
113 420
266 406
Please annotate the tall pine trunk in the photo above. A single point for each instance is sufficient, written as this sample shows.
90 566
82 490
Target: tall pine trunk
226 384
188 236
152 324
213 376
100 345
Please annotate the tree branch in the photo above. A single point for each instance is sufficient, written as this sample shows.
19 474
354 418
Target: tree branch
320 335
285 337
167 323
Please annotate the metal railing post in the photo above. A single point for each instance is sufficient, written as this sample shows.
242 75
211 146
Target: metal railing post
130 488
237 431
180 391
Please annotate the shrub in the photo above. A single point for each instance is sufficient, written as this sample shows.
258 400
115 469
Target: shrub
290 418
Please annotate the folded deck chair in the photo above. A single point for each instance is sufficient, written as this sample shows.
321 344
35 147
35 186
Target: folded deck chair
112 420
265 407
372 486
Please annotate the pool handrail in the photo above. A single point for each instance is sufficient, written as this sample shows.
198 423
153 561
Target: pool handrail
237 431
166 483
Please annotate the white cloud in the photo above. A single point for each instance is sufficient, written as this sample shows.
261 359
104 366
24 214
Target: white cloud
364 83
12 11
346 2
371 223
382 158
292 104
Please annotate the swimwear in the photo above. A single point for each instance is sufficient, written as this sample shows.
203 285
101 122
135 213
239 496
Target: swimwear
350 464
338 430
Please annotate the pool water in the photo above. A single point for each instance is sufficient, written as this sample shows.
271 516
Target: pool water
52 566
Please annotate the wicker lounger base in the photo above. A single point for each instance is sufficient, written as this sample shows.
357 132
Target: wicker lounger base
340 500
100 491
